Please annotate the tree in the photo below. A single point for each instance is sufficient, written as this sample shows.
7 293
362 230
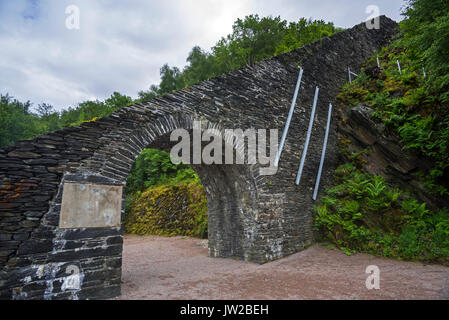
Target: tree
425 34
88 110
251 40
154 166
48 117
201 66
45 109
118 101
145 96
16 121
303 32
171 79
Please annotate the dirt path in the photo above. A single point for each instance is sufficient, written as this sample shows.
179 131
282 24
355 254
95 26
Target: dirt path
179 268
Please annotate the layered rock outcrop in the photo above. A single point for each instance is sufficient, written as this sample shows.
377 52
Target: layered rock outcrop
382 153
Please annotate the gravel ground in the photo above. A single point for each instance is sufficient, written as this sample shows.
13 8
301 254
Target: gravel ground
158 268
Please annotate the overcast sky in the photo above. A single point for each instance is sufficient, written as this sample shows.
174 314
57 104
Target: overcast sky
121 45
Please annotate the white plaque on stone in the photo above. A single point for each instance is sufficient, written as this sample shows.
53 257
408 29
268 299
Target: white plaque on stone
90 206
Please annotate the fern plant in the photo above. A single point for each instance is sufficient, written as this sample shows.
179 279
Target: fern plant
362 213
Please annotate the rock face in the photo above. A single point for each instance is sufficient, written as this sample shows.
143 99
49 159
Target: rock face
251 216
382 154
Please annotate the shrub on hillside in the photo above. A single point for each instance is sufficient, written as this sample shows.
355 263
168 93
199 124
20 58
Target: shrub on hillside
169 210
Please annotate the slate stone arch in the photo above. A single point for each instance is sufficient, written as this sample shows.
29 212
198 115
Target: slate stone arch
268 217
231 189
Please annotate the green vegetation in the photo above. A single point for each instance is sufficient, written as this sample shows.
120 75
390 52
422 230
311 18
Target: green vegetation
362 213
409 108
153 168
18 122
169 210
163 198
425 34
414 106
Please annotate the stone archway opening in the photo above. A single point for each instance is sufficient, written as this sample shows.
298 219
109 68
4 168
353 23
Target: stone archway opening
163 198
230 192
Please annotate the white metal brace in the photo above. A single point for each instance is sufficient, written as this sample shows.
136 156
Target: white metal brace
289 118
323 153
309 133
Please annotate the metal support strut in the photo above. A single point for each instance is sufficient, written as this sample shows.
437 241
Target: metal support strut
289 118
309 133
323 153
350 74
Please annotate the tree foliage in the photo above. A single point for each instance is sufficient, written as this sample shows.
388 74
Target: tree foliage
88 110
425 34
153 167
18 121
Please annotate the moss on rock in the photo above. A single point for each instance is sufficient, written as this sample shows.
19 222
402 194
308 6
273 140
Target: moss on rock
173 210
